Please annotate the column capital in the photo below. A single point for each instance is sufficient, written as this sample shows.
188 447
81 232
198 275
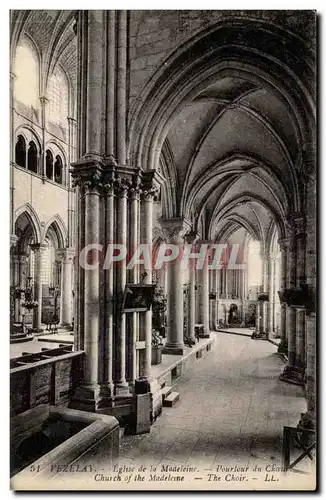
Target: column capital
72 120
44 100
284 243
306 164
175 230
38 247
151 181
65 254
297 224
122 186
87 173
13 240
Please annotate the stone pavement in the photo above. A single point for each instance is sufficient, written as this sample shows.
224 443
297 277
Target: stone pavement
232 410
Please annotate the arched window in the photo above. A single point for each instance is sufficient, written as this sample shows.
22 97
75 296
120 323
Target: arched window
49 165
58 170
20 152
26 70
32 157
58 98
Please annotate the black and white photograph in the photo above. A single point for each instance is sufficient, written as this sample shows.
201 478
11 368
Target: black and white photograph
163 250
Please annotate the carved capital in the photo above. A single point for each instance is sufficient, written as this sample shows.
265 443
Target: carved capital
306 165
175 230
298 223
44 100
38 247
13 240
284 243
87 174
151 181
191 237
66 254
122 186
135 190
148 194
108 187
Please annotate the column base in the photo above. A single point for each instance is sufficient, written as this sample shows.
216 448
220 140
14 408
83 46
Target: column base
122 390
66 326
293 375
307 422
204 333
259 336
107 391
173 349
86 398
190 342
283 347
37 329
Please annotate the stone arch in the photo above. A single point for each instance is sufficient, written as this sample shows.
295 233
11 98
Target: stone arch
33 218
60 229
179 82
247 196
29 134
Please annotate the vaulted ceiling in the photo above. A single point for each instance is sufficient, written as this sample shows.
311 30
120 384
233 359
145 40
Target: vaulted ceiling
233 149
52 32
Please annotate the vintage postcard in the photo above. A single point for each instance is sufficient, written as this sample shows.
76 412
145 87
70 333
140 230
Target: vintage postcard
163 250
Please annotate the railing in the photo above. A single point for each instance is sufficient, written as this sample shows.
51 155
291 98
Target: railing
46 377
303 439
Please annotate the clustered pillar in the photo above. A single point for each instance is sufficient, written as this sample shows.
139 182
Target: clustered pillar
295 309
106 332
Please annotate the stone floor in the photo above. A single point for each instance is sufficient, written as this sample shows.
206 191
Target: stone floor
232 410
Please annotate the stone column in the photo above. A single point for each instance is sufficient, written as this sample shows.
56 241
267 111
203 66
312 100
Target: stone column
284 244
213 273
91 294
87 175
301 339
218 291
108 355
299 223
122 187
308 420
204 298
42 166
175 230
16 283
22 281
147 198
270 286
192 306
290 373
226 281
67 257
38 250
134 277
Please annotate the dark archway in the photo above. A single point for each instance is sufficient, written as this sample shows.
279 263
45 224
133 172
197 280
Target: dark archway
32 157
58 170
20 152
49 165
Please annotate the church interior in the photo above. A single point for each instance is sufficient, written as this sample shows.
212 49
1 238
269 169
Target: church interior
154 128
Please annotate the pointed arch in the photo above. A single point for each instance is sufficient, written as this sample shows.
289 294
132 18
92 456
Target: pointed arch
31 214
60 229
27 72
